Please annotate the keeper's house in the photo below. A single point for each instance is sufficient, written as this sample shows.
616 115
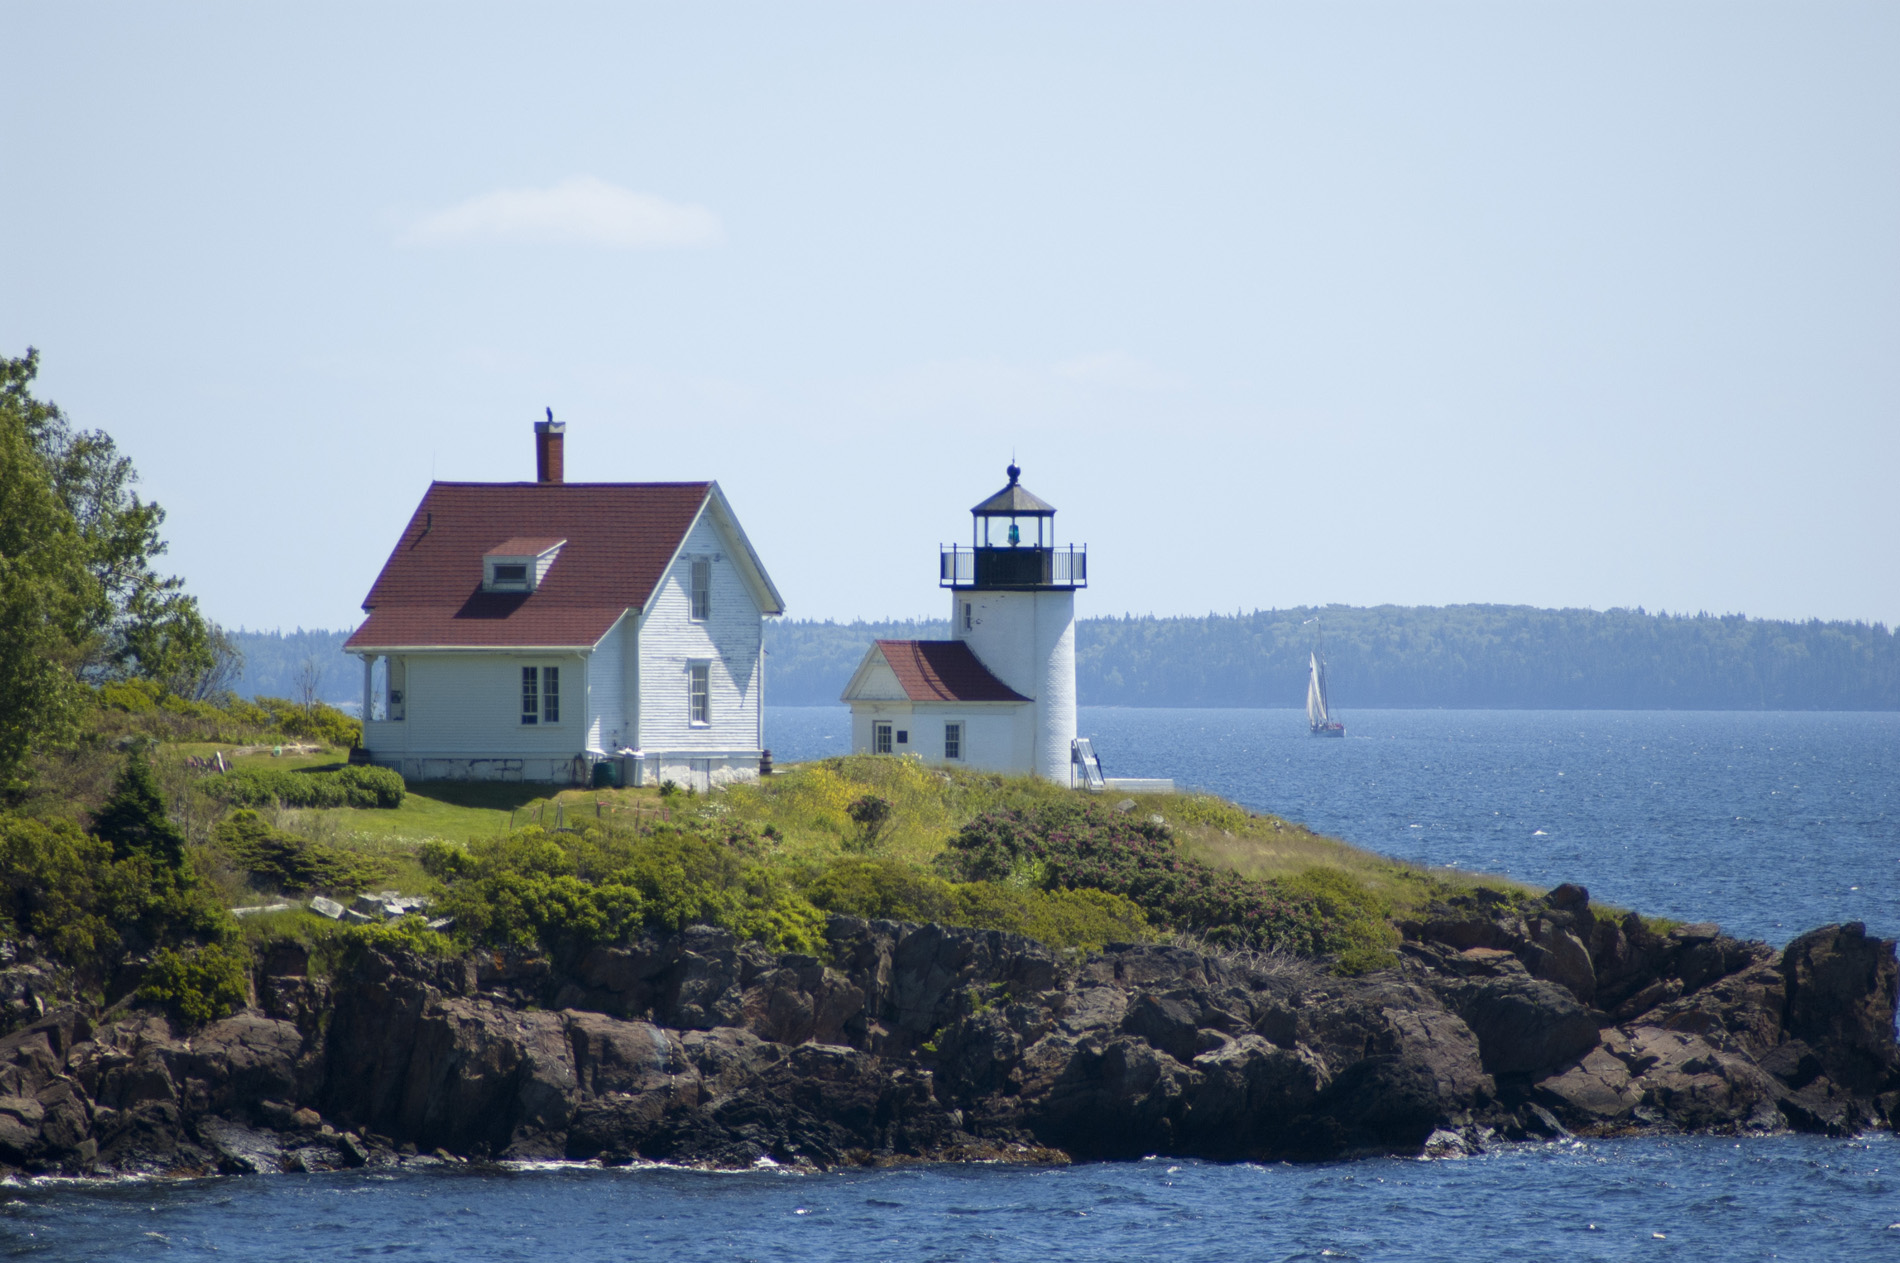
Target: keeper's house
532 630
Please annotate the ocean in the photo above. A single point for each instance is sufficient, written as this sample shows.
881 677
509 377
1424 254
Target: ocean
1768 823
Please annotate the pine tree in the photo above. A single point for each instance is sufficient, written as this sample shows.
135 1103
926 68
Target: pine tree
134 818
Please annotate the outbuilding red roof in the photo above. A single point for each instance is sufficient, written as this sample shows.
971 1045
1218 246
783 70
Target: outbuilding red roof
620 536
944 671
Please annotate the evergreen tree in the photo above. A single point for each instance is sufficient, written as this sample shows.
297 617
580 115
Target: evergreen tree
134 818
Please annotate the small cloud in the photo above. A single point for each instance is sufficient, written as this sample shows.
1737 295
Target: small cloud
580 211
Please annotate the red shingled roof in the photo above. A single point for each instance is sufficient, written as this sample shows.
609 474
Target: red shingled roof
619 538
944 671
521 547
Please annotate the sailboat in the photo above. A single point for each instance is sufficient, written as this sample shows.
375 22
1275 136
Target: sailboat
1319 715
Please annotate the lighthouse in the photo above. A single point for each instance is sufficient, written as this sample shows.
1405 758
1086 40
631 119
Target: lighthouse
1000 694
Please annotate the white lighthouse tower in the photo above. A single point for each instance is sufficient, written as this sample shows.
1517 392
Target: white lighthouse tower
1000 696
1012 600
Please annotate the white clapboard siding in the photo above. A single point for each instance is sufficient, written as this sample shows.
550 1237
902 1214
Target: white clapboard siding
997 736
470 703
729 639
607 724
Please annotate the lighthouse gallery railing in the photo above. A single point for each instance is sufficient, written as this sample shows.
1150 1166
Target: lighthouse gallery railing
960 566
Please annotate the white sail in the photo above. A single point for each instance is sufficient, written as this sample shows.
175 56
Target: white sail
1316 694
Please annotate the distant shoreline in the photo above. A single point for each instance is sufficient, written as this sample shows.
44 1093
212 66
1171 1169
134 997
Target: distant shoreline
1459 657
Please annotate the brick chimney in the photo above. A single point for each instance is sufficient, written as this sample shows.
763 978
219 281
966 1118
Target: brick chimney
549 436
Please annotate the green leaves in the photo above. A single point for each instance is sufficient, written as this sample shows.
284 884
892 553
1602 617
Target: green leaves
79 599
134 818
252 786
199 986
90 907
291 863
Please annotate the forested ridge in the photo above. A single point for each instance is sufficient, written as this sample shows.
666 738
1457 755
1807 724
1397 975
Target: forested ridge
1471 656
1479 656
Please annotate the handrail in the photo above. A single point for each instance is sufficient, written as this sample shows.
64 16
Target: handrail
961 566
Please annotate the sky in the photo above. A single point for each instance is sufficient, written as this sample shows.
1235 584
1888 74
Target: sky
1558 304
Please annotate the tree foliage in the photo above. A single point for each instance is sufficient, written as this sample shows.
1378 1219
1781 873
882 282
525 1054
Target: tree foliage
292 863
133 820
79 599
90 906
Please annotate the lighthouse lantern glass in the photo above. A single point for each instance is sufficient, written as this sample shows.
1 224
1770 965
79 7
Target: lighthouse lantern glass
1027 530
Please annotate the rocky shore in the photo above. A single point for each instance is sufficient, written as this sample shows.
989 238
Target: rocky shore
928 1043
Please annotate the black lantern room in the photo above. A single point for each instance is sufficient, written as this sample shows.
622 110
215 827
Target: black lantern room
1013 546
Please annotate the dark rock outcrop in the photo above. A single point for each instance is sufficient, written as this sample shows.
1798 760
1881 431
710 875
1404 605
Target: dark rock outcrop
926 1042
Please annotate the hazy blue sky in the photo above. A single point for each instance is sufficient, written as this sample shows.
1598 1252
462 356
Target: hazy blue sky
1563 304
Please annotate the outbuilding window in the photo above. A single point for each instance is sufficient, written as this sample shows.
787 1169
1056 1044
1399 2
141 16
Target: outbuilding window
702 591
953 741
699 692
880 738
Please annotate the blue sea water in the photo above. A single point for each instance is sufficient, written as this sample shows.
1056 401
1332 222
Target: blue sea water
1783 1197
1766 823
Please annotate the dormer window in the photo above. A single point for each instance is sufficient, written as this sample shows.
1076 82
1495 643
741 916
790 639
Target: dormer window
519 565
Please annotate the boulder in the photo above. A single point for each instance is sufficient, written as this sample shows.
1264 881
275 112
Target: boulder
1694 1085
1840 1000
1524 1026
1592 1094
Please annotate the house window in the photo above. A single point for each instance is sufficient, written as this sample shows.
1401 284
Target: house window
880 738
702 590
953 741
699 692
540 695
509 575
966 616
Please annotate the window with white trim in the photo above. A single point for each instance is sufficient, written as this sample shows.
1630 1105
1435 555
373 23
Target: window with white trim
540 695
953 741
699 692
880 738
702 590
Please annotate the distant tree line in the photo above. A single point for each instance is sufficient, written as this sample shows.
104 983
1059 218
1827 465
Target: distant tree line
1456 656
1476 656
297 664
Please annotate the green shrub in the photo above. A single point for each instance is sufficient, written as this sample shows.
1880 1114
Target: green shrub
1082 846
199 986
134 818
292 863
410 933
872 815
882 889
250 785
1206 809
597 885
90 907
1090 919
135 697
